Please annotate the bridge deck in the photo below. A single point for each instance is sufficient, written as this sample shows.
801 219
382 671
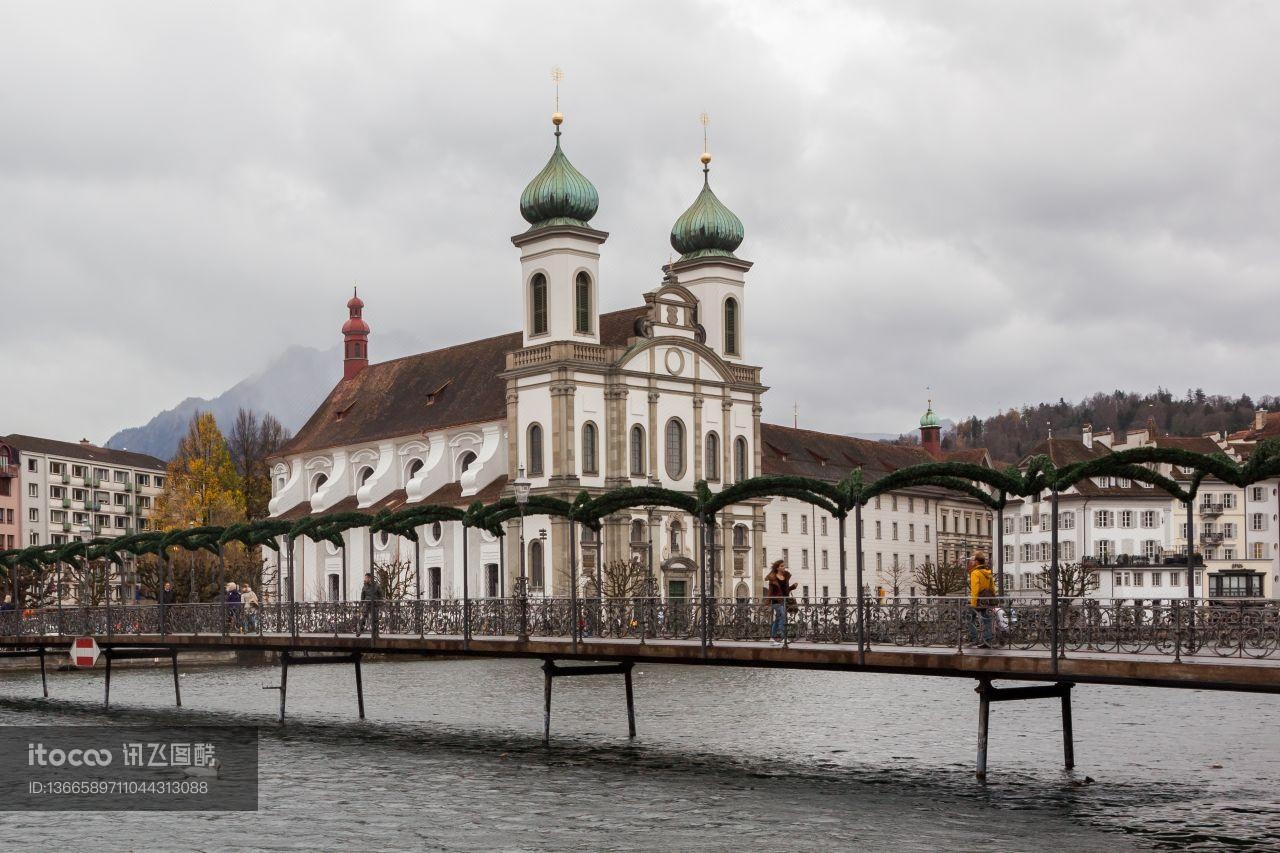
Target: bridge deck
1199 673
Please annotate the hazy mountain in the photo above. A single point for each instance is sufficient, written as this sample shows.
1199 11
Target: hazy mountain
290 387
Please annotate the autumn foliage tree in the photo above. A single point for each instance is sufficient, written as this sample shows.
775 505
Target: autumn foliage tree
201 484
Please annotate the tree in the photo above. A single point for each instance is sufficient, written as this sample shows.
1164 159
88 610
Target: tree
894 576
251 442
624 578
939 579
201 484
397 579
1074 580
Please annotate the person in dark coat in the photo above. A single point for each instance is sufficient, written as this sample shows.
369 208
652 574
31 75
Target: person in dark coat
370 595
780 587
168 596
233 600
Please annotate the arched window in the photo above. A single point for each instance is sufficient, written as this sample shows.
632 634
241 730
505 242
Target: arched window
731 326
711 461
582 304
637 451
675 448
741 468
676 530
534 451
537 577
364 475
318 483
538 304
465 462
739 536
414 467
590 454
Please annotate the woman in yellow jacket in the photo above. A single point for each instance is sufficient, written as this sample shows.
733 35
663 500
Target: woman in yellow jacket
982 592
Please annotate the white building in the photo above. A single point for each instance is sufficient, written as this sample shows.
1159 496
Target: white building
659 394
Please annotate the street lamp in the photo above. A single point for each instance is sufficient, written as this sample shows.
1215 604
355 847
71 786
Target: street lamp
521 486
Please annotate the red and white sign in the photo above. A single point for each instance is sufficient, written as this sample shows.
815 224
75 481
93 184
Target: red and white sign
84 651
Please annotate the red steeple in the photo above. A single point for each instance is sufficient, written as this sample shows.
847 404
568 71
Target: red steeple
355 334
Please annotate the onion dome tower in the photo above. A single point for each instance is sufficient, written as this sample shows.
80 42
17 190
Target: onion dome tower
559 194
931 432
355 337
707 229
560 252
706 236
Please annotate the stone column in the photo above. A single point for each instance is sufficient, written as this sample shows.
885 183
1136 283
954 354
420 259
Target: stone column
726 440
616 460
698 472
654 470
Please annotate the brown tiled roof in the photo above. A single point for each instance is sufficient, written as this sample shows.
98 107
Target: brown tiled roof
972 455
825 456
1065 451
87 452
296 512
450 494
1195 443
432 390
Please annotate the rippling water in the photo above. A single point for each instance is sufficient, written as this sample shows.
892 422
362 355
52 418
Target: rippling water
727 759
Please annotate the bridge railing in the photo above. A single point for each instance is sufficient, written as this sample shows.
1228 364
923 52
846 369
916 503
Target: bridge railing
1222 627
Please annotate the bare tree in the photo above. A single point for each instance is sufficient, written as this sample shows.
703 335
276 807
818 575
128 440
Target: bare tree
894 575
1074 580
624 578
91 580
397 579
252 441
939 579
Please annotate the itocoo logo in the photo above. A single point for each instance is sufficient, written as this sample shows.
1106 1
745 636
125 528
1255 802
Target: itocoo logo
39 756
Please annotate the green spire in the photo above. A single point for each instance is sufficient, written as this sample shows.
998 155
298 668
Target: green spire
930 419
559 194
707 229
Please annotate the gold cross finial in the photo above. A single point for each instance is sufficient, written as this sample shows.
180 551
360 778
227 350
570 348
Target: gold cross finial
704 120
556 76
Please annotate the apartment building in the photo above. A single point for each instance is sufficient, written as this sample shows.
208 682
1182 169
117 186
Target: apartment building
70 489
10 498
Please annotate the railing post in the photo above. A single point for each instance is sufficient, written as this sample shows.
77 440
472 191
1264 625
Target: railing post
1054 577
844 587
1177 631
573 596
861 593
466 590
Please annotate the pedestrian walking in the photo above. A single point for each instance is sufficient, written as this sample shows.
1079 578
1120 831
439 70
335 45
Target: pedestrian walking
780 588
233 600
370 595
982 594
252 609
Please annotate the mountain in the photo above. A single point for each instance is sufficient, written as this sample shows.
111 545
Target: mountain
290 387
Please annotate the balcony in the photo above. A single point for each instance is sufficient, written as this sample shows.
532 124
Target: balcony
1210 509
66 503
130 487
92 506
1212 538
66 478
66 527
92 482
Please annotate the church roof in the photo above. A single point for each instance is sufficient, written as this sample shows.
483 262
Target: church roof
429 391
559 194
707 229
826 456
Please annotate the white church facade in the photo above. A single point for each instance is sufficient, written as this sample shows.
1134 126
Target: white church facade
659 394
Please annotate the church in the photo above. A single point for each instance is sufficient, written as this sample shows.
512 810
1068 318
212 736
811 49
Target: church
659 394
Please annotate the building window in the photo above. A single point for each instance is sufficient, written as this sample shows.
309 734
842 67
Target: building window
711 462
784 523
895 531
33 514
1257 494
911 533
537 574
637 451
740 467
468 459
1259 550
1067 521
1104 550
675 450
33 490
144 480
1258 521
731 326
1027 522
534 451
926 533
582 304
1126 518
804 525
590 452
1151 549
878 534
1067 550
31 465
823 525
676 530
318 483
363 477
538 304
1103 518
1149 518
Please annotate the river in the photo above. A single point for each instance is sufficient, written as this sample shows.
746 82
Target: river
450 758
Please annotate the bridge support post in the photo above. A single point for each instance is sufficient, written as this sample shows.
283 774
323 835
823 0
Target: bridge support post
287 658
988 694
551 671
177 688
44 676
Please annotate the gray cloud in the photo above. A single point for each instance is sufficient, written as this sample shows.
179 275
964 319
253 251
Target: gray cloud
1008 202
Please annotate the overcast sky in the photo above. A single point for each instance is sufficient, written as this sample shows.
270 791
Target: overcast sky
1009 202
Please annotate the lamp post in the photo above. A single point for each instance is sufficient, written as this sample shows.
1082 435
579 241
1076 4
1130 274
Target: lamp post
521 486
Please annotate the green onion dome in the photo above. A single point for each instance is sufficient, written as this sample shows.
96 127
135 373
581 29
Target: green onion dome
559 194
930 419
707 229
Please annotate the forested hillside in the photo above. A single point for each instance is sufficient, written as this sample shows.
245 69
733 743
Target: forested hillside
1011 434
